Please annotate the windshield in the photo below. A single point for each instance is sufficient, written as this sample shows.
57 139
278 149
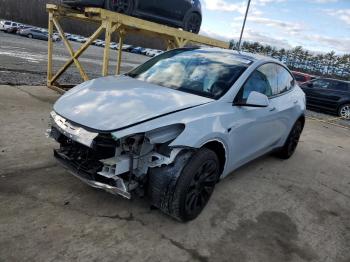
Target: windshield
208 73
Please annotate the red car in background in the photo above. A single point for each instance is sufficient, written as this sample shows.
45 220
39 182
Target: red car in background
302 77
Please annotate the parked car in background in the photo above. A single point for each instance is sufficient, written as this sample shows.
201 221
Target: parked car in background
98 42
34 33
180 13
137 50
302 77
328 94
145 50
80 39
21 27
56 37
205 112
128 48
9 26
153 52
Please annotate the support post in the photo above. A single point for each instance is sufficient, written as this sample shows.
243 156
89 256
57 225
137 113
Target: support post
78 53
120 50
70 49
108 26
49 50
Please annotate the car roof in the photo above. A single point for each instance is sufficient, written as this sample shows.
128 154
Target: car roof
243 55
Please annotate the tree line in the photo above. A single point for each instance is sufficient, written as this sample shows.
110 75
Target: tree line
298 59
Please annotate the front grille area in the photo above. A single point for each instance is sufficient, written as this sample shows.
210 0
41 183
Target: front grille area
84 160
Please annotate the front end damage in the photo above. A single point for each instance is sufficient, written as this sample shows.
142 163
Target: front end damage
116 165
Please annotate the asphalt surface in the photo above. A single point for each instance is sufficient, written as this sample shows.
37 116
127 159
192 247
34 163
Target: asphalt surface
24 61
269 210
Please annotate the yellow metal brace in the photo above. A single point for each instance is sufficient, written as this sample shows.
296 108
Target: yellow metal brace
111 22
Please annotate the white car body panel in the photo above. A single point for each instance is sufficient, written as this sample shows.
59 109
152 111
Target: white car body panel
124 106
112 103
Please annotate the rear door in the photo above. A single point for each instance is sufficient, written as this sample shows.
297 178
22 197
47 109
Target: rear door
332 95
313 92
173 9
323 94
147 6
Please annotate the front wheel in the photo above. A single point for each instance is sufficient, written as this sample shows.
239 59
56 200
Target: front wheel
344 111
121 6
192 23
182 190
292 141
30 36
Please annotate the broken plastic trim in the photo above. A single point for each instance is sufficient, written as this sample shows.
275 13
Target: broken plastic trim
83 177
72 131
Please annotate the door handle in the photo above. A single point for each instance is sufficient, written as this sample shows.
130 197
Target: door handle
295 101
272 109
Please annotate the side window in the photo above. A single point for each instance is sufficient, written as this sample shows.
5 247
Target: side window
7 23
285 80
340 86
322 84
262 80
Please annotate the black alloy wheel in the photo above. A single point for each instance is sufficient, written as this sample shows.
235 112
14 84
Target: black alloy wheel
201 187
183 188
193 23
121 6
292 141
294 137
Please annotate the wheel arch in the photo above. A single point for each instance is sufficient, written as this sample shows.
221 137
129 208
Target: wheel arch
220 150
302 120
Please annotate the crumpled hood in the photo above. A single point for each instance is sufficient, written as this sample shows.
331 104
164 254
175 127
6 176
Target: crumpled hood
111 103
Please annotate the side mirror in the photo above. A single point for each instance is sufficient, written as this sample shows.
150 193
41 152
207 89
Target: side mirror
310 84
255 99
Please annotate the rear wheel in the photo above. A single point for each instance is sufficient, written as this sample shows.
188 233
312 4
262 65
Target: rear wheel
120 6
192 23
292 141
184 189
344 111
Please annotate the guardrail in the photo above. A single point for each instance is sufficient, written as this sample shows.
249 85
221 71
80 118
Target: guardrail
111 22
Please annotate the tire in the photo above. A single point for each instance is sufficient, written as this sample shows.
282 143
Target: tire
344 111
30 36
192 23
292 141
120 6
183 189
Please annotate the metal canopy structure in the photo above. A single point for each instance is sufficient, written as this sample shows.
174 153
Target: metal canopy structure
111 22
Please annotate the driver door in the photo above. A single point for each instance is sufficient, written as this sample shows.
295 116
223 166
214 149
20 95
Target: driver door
255 130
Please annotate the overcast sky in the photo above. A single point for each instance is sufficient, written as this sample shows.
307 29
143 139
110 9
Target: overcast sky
317 25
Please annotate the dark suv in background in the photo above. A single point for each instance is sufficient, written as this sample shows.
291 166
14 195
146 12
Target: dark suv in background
186 14
328 94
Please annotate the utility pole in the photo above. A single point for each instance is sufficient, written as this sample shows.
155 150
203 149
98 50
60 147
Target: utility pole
245 18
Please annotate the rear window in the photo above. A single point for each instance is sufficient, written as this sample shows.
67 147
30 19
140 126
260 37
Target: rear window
340 86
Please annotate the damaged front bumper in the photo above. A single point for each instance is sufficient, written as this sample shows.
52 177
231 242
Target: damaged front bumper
120 189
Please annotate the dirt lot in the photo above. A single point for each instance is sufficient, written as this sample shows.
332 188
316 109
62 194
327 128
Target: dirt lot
269 210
